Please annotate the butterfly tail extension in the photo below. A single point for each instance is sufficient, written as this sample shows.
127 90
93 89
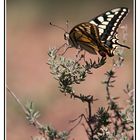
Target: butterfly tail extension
124 46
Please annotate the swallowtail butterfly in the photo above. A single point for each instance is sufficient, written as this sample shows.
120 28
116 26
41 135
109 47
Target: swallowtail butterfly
99 34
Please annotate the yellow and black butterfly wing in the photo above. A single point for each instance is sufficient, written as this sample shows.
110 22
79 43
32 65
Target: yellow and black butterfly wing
108 24
109 21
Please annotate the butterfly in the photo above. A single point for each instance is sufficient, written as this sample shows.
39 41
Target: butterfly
99 35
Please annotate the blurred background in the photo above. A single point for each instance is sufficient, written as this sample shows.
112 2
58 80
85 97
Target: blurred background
28 38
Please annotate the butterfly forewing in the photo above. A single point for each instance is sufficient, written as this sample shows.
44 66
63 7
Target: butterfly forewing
85 36
109 21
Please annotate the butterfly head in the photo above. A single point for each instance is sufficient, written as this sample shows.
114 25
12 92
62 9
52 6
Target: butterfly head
66 36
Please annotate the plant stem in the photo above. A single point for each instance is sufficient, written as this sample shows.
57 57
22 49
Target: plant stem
17 100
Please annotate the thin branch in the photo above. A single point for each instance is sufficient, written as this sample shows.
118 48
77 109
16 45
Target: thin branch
35 123
80 119
17 99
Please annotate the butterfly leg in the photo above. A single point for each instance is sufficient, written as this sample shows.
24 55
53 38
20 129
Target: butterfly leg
67 47
61 47
82 56
79 58
78 52
64 45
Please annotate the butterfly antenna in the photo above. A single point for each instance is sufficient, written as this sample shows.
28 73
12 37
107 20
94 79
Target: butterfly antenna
58 27
67 26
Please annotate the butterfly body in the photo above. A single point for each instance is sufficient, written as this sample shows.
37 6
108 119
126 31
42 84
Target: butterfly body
99 34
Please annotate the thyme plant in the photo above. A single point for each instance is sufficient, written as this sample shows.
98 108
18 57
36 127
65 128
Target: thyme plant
110 123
